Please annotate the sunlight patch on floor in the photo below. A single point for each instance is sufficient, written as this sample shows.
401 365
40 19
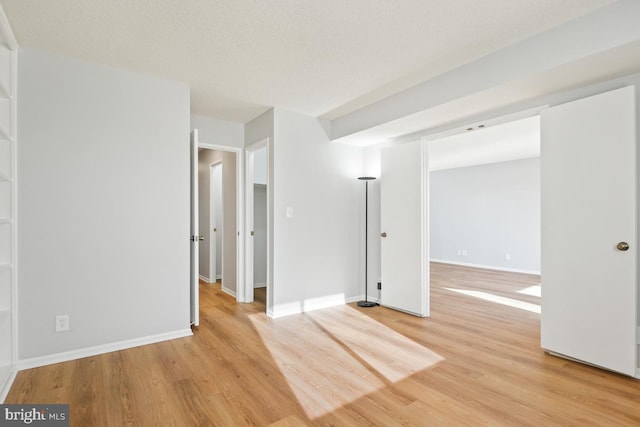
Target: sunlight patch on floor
534 308
534 291
393 355
335 356
322 375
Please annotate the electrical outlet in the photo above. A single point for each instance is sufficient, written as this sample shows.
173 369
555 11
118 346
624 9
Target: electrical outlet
464 252
459 252
379 285
507 257
62 323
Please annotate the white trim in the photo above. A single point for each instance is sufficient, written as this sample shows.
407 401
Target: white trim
287 309
259 285
425 232
4 391
204 278
228 291
239 151
66 356
354 299
486 267
13 283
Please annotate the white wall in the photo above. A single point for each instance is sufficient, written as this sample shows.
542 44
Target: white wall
260 166
104 204
318 251
218 132
258 129
488 211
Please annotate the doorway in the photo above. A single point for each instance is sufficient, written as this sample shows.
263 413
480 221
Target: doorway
218 216
257 220
418 157
485 197
216 223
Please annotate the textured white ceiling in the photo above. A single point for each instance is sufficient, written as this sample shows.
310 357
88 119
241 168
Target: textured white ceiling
318 57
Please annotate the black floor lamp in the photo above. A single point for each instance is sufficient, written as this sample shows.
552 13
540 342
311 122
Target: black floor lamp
366 302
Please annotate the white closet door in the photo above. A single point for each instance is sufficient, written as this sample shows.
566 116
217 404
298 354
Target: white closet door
588 184
404 215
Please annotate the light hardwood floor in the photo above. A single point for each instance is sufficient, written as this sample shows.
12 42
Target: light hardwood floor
473 362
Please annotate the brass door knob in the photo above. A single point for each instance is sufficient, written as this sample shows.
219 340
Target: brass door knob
383 234
622 246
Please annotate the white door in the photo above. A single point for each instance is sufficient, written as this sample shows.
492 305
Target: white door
588 189
404 219
195 237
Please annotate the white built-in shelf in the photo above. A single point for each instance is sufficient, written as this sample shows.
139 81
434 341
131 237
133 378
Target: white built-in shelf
5 133
5 221
4 91
4 177
4 310
5 266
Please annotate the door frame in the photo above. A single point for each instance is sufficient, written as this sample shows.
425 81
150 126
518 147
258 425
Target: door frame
249 213
213 250
194 287
239 152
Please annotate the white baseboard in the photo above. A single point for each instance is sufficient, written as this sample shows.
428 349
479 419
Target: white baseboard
204 278
361 298
259 285
4 390
312 304
356 299
229 291
66 356
485 267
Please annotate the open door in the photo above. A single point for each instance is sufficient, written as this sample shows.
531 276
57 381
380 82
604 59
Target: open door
589 245
195 237
404 220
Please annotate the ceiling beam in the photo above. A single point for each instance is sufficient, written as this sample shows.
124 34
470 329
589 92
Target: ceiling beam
605 29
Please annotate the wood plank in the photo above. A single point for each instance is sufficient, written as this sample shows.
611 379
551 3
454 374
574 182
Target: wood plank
241 368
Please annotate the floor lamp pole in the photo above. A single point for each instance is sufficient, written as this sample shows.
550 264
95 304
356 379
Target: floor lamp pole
366 302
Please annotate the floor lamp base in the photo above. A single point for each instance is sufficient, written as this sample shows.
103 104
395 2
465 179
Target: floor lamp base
366 304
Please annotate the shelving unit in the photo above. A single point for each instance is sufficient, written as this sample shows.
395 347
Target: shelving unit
8 200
